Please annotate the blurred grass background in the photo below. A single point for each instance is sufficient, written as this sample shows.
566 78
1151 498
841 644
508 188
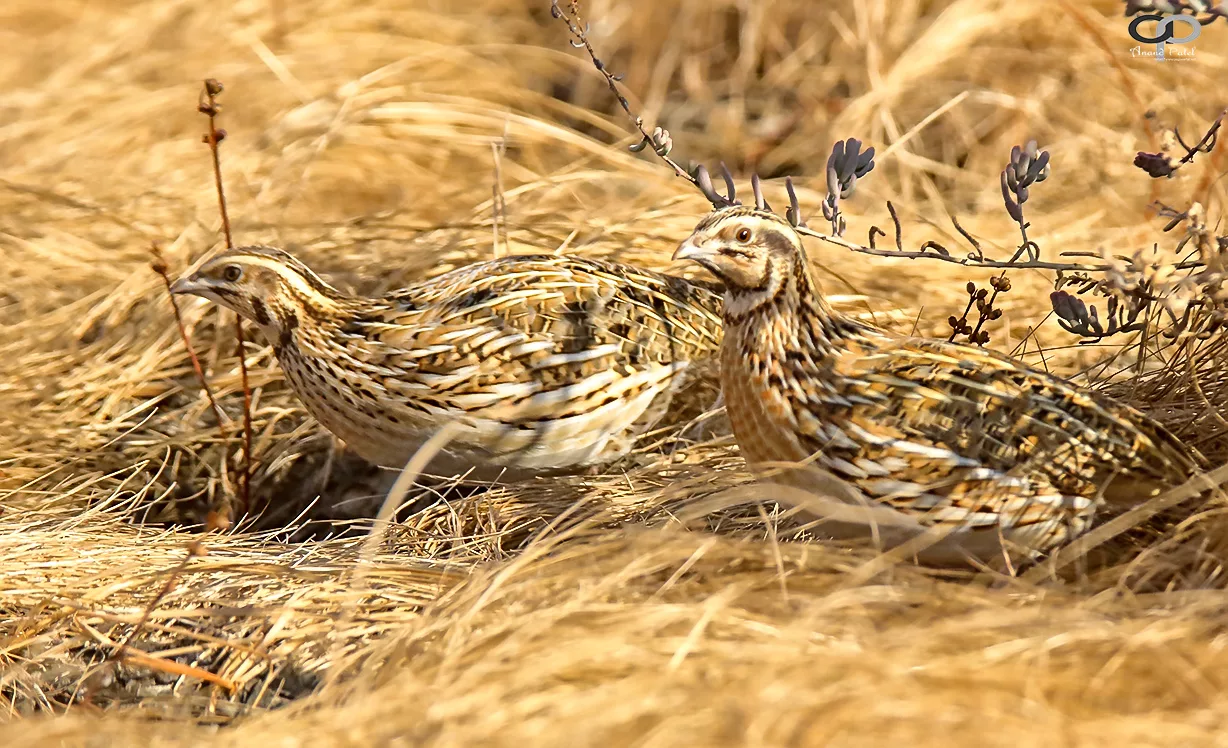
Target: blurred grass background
360 135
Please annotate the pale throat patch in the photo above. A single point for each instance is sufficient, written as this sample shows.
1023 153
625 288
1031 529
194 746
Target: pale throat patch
746 302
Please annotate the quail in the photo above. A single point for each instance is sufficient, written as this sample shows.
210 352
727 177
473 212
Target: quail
953 436
548 363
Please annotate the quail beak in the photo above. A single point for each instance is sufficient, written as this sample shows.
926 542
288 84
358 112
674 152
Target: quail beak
690 250
186 284
697 253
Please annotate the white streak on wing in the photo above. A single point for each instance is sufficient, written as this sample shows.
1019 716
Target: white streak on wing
525 349
893 464
961 516
866 436
562 359
480 340
845 467
444 381
430 350
838 438
587 386
512 390
570 440
459 334
903 445
410 390
499 344
987 389
924 502
503 299
871 467
496 394
985 473
886 488
930 392
586 395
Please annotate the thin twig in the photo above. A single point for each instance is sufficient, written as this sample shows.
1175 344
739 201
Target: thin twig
159 266
1205 144
661 145
980 253
120 653
498 202
965 261
209 107
580 41
195 548
357 584
247 414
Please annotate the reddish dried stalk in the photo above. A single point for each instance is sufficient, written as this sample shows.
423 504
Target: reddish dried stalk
247 415
209 107
195 548
159 266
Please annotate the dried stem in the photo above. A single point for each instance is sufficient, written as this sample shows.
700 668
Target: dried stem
956 324
661 144
580 41
1028 166
119 654
1205 144
160 267
1160 164
498 200
246 475
195 548
965 261
209 107
988 312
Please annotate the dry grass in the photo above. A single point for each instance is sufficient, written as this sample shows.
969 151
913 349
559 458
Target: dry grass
592 610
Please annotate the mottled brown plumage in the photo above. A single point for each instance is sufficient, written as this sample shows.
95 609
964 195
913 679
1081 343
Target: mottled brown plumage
951 435
547 362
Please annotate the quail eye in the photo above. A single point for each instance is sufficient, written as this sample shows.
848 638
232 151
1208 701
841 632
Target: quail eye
232 273
743 235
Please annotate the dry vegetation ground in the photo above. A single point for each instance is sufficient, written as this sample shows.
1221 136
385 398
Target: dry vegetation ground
597 610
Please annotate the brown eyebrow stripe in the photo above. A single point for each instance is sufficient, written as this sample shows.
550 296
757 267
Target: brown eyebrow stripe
289 261
717 216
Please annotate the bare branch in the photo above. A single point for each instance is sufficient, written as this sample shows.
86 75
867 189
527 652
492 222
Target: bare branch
209 106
